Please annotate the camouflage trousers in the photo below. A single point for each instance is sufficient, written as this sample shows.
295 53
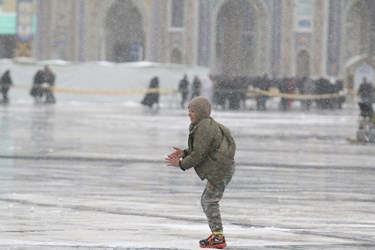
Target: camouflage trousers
210 199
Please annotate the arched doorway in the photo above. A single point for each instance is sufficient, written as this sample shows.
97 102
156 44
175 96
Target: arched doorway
303 64
359 45
176 56
236 43
357 68
358 31
125 36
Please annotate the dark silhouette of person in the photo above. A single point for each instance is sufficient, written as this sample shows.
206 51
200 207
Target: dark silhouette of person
366 91
5 82
263 84
43 83
196 87
183 88
49 78
36 91
284 89
152 95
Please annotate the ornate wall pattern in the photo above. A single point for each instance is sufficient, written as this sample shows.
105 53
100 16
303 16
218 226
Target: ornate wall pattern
76 31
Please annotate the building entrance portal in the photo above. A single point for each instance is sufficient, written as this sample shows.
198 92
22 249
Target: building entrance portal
358 68
303 64
235 39
125 37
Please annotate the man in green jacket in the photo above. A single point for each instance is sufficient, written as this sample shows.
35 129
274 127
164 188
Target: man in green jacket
211 153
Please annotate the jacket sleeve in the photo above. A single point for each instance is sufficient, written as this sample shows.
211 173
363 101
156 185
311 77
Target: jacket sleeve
201 146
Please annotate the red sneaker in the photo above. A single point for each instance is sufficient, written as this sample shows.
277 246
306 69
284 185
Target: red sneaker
213 241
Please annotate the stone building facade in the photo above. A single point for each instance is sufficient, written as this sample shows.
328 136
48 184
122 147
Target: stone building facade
330 38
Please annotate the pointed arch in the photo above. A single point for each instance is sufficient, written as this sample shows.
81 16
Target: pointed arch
125 36
357 29
240 38
176 56
356 68
303 64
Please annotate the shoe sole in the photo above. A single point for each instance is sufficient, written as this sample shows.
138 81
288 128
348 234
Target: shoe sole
217 246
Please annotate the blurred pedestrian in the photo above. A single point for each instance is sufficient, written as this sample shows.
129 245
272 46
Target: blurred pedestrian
308 89
152 95
366 91
5 82
49 78
183 88
291 90
196 87
37 90
211 150
284 89
264 84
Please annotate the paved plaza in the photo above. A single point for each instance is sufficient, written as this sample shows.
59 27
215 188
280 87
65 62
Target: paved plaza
93 176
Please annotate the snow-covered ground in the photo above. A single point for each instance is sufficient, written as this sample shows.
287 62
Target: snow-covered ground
86 175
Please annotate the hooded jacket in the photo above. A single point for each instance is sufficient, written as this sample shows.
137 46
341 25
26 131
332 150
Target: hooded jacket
211 150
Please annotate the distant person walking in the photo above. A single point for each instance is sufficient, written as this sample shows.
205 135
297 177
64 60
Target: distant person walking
196 87
284 89
183 88
263 84
366 91
42 89
210 152
5 82
36 90
152 95
308 88
49 78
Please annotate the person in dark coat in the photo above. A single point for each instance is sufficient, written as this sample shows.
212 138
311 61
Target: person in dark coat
211 150
264 85
5 82
152 96
37 91
196 87
284 89
49 78
308 89
366 91
183 88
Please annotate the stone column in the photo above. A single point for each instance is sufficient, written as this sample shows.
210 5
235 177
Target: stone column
318 38
287 50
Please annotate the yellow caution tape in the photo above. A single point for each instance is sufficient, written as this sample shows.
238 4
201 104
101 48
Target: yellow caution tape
276 93
273 92
113 92
104 91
